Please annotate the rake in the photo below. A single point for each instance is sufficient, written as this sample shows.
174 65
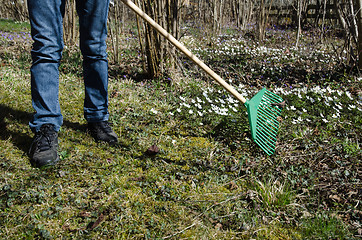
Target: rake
263 109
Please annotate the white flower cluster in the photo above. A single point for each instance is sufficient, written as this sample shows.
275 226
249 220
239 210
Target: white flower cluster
231 46
210 102
329 97
221 103
307 97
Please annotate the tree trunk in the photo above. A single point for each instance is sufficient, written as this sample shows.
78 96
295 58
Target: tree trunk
115 29
159 53
323 19
263 18
299 31
70 24
359 23
261 21
342 21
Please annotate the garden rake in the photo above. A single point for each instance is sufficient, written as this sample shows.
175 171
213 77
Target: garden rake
264 109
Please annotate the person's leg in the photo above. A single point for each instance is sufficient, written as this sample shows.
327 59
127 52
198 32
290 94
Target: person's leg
46 19
93 33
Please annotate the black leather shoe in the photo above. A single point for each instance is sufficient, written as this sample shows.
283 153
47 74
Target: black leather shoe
43 151
102 131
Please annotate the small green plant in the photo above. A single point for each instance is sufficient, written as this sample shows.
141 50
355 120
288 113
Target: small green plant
273 194
324 226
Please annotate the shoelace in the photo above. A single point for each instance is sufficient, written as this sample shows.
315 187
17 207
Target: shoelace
105 126
44 138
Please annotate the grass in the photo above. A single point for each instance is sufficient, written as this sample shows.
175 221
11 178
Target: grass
209 180
8 25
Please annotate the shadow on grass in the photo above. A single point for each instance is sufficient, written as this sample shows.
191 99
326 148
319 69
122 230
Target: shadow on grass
22 139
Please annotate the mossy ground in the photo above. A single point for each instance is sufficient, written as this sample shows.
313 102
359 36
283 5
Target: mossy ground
208 180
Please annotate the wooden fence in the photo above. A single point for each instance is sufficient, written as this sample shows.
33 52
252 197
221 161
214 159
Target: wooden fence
312 11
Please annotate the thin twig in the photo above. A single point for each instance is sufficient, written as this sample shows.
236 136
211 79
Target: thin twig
183 230
217 204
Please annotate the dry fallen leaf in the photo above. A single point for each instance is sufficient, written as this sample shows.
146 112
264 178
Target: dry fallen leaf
280 105
85 214
153 150
233 185
335 198
218 226
93 225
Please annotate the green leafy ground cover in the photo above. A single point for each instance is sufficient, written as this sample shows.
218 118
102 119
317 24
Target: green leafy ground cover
208 180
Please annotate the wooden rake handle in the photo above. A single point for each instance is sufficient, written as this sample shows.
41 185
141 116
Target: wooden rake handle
183 49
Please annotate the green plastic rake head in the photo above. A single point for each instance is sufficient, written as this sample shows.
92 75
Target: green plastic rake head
263 112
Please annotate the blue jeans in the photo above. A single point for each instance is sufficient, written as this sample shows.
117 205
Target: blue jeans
46 19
